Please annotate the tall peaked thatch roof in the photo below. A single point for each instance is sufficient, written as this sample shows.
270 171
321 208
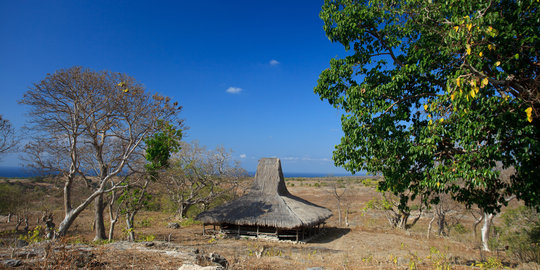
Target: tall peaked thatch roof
268 203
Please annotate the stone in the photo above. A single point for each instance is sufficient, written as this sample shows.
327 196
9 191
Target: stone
20 243
216 258
173 225
190 266
12 263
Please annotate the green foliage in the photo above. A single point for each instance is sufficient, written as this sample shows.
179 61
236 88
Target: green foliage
189 222
145 222
490 263
459 228
520 234
33 236
435 93
9 198
161 145
439 259
146 238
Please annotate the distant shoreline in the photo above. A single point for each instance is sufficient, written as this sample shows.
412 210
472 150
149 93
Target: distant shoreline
17 172
20 172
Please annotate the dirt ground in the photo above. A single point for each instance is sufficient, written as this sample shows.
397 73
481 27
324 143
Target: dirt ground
367 242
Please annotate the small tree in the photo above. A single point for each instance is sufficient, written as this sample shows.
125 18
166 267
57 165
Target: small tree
89 126
199 177
340 192
392 206
159 148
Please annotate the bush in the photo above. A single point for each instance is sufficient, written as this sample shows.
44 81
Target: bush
459 228
520 234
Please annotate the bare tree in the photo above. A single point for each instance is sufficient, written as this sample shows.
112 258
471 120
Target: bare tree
89 126
397 217
339 192
447 212
7 136
199 176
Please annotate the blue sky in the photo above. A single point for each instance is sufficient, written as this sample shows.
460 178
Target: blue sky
244 71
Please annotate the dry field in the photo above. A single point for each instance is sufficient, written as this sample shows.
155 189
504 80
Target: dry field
367 243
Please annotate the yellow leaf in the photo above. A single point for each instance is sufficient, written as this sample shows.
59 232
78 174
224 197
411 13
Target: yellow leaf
468 49
425 107
473 82
469 26
429 115
452 96
491 47
472 93
458 82
490 29
476 89
441 120
430 122
126 90
456 28
438 184
528 111
485 82
480 54
498 63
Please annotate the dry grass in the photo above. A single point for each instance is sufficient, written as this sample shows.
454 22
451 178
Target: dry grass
368 243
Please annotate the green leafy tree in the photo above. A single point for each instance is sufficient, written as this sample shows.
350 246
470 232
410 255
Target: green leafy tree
434 93
159 148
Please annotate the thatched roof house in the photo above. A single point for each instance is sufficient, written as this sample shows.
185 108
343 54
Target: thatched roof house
267 207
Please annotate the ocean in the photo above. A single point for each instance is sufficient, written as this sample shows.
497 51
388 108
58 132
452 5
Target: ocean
25 172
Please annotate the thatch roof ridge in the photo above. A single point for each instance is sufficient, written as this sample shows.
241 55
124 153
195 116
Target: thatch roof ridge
268 203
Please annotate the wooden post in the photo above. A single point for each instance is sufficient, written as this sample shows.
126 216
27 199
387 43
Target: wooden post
296 235
257 231
203 229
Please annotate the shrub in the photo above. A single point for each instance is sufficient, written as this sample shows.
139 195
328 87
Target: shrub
520 234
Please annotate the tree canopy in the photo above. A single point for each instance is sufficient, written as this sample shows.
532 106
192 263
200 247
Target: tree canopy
91 126
435 93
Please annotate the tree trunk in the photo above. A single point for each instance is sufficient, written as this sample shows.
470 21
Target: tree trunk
441 222
99 208
429 226
184 207
9 217
67 196
339 212
475 225
129 227
111 228
72 214
488 218
113 216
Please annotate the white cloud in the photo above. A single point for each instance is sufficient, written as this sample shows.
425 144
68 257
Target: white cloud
243 156
234 90
274 62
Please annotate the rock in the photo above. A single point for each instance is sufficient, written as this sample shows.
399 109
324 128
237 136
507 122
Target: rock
20 243
149 244
216 258
12 263
189 266
173 225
